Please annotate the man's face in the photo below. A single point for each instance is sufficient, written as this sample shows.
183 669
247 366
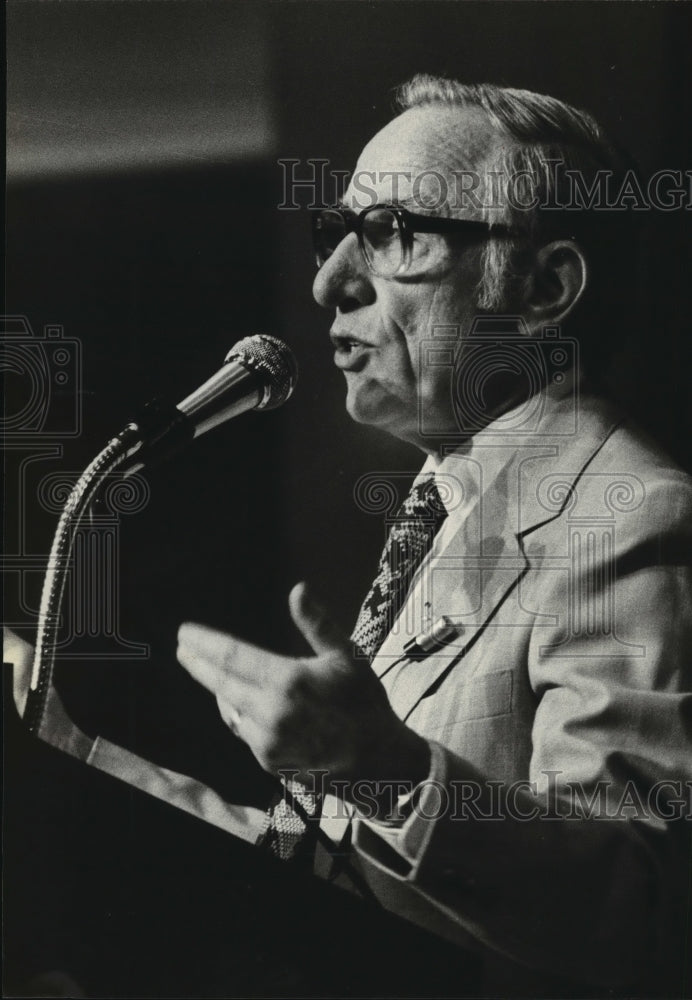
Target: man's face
381 323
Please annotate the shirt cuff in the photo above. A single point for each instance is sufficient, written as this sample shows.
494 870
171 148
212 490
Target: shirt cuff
408 837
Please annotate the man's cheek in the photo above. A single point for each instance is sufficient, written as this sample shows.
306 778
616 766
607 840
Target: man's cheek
436 395
371 400
362 395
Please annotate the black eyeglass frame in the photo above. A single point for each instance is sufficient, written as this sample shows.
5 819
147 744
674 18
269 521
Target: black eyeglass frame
408 223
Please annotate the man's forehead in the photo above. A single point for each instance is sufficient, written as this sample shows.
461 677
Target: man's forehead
400 163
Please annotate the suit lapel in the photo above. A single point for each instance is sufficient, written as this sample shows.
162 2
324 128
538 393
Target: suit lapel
483 559
467 580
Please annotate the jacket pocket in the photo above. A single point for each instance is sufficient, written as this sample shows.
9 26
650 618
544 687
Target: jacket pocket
480 698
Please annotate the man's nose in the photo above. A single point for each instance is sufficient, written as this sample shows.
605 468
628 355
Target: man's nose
344 280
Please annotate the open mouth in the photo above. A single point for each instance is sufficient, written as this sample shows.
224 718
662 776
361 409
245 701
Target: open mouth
343 341
348 351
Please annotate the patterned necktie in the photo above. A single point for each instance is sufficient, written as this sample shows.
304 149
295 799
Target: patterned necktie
416 523
286 830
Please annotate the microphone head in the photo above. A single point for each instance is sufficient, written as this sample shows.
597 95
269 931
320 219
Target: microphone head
272 361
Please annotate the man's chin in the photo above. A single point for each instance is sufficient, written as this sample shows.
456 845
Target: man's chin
388 422
395 424
374 413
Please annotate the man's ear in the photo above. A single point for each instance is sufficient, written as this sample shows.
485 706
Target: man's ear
558 281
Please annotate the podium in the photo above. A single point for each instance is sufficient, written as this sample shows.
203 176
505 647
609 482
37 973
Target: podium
130 897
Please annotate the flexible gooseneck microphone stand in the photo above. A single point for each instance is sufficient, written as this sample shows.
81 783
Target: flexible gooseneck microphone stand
259 372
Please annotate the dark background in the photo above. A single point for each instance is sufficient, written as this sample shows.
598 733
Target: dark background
142 216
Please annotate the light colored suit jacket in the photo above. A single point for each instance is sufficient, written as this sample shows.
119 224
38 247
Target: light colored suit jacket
569 688
570 578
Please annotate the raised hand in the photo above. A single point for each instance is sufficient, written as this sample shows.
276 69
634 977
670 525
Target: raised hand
328 712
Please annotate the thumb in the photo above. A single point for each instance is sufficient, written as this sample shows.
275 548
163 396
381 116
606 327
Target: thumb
314 622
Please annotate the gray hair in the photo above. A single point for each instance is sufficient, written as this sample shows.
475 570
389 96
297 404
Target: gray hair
544 129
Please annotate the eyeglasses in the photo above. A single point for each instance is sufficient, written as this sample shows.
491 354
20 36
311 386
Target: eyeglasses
386 234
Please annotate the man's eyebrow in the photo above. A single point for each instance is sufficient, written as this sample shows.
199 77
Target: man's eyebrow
399 203
409 203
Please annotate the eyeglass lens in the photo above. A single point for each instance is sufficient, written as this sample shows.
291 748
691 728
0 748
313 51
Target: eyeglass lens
380 238
382 241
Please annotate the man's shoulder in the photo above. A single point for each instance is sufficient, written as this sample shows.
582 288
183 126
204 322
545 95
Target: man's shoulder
632 473
593 463
635 452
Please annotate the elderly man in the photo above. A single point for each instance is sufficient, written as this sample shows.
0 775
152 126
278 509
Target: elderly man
502 746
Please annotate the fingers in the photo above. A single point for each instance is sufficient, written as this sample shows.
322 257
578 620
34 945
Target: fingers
271 702
214 673
255 734
210 644
198 667
230 715
316 625
210 655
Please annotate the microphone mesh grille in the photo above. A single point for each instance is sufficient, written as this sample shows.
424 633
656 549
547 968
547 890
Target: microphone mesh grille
274 363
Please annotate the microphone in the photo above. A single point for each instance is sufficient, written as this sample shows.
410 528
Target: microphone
258 373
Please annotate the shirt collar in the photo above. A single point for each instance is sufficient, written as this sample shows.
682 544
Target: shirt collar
470 469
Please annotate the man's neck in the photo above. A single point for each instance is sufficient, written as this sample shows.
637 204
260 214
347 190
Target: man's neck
460 441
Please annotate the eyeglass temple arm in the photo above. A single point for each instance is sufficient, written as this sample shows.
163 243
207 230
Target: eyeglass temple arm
436 224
